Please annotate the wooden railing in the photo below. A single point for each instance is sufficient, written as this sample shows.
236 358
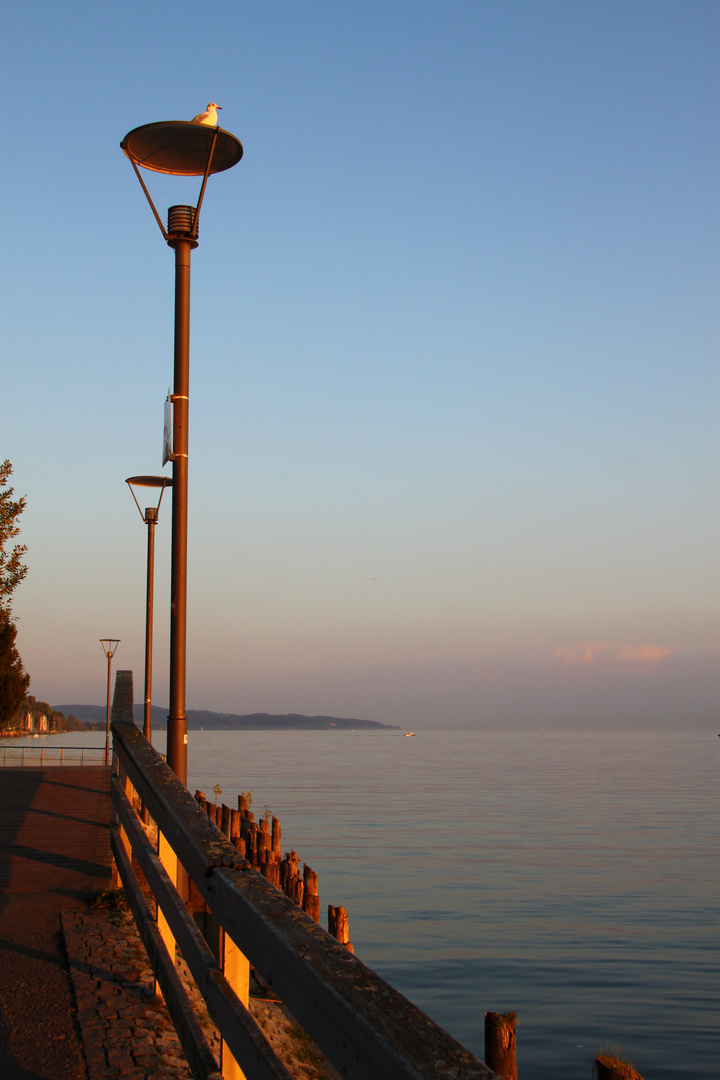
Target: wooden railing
362 1024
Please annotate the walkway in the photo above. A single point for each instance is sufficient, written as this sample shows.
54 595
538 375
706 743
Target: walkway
54 853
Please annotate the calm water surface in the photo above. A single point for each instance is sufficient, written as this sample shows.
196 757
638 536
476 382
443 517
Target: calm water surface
570 877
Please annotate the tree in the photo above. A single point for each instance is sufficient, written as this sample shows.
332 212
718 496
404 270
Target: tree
14 681
12 569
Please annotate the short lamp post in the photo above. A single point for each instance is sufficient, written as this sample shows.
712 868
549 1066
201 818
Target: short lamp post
150 517
179 148
109 645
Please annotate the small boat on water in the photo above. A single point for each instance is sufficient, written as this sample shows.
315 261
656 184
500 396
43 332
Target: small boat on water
409 734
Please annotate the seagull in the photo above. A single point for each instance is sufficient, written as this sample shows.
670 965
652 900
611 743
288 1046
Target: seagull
209 117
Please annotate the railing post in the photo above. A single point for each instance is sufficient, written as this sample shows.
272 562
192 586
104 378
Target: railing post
236 970
169 860
124 838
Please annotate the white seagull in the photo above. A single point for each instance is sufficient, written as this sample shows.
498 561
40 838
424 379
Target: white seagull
209 117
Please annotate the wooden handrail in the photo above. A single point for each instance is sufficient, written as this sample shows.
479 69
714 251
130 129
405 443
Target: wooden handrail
364 1026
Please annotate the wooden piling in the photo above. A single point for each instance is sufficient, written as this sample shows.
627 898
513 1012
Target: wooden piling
271 871
225 813
234 826
277 849
263 844
311 900
500 1047
339 926
609 1067
251 844
243 804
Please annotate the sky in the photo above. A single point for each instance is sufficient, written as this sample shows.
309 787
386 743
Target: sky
454 342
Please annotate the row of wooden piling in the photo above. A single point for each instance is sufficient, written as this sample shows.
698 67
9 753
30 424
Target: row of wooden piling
260 843
501 1052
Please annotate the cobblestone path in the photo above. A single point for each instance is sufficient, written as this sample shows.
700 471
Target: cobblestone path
126 1030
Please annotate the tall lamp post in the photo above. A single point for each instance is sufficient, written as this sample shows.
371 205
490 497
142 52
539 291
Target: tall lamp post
150 517
109 645
178 148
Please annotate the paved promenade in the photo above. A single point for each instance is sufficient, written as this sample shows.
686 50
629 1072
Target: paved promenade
54 853
76 989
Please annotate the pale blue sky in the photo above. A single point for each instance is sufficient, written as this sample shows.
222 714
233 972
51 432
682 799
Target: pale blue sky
453 362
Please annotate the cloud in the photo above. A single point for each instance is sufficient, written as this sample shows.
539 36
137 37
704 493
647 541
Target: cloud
620 652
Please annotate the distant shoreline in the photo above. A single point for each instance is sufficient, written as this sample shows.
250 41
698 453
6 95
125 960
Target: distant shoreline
213 721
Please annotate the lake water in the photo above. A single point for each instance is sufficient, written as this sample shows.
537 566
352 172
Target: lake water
570 877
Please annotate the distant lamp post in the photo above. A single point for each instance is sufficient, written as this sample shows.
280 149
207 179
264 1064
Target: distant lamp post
150 517
179 148
109 645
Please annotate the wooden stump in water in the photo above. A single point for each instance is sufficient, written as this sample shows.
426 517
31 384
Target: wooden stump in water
338 926
234 826
311 900
225 815
500 1049
609 1067
263 846
243 804
271 871
277 850
251 844
240 845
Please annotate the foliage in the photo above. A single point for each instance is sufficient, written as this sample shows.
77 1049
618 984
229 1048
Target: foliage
14 681
502 1021
218 791
12 569
305 1049
247 795
111 900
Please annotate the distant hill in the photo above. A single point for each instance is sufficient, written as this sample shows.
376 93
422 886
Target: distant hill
212 721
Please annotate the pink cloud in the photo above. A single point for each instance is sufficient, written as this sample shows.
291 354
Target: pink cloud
587 652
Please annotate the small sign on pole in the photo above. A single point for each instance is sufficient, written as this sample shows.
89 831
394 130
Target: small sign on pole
167 431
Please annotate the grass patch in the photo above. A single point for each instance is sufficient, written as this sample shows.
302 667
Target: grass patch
613 1058
305 1050
111 900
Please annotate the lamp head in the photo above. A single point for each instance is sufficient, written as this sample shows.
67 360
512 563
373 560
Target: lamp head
161 482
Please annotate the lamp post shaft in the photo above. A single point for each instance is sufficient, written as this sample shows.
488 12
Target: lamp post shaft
147 725
177 719
107 715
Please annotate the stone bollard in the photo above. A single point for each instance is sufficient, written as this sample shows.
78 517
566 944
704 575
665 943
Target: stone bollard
500 1049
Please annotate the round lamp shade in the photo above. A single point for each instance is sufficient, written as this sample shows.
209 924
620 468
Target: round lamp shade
181 148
